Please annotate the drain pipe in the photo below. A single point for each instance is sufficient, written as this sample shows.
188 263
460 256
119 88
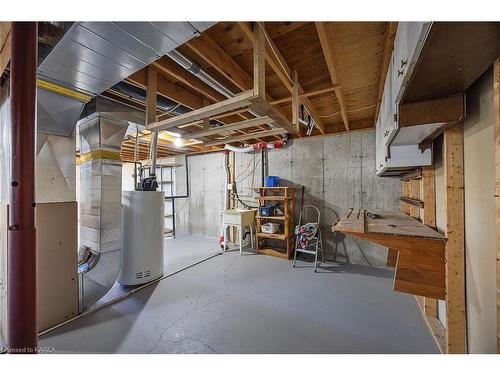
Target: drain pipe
152 153
22 265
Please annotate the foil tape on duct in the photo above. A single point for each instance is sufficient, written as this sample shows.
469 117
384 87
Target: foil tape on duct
100 205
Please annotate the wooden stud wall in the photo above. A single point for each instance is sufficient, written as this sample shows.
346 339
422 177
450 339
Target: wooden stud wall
429 219
420 186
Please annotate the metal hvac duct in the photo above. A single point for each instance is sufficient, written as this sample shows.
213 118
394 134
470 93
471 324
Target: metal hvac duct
89 58
94 56
101 136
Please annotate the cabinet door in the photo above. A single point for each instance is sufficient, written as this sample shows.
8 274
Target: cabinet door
410 38
387 109
380 150
399 60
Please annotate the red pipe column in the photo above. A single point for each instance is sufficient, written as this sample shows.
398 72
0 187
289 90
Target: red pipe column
22 262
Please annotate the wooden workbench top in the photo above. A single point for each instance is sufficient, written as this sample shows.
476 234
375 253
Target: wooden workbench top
421 258
389 223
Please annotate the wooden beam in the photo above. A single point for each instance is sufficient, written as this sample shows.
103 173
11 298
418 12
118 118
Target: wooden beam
449 109
496 108
245 137
429 219
327 45
218 59
234 126
295 101
259 63
303 95
214 55
283 71
238 101
386 60
453 160
263 108
5 45
151 95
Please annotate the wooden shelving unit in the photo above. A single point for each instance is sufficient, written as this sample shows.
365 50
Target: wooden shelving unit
286 198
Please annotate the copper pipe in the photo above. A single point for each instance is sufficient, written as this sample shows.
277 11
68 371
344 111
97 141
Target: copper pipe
22 265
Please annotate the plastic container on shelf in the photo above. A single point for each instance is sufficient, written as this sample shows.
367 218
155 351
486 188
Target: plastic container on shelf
270 228
272 181
266 210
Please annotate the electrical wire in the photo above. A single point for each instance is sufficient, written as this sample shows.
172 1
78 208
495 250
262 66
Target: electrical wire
249 173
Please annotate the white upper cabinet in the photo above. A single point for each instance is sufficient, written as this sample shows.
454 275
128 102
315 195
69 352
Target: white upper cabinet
410 38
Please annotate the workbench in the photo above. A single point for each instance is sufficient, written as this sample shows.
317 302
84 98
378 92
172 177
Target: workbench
420 264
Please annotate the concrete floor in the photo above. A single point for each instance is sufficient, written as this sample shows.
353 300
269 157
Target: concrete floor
180 252
254 304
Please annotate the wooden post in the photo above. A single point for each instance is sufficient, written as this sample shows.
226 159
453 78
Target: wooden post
454 231
496 106
151 93
259 62
429 219
295 101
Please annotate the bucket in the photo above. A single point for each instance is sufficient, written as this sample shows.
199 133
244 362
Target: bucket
272 181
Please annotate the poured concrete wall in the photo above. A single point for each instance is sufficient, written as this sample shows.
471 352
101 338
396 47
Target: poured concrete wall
337 172
200 213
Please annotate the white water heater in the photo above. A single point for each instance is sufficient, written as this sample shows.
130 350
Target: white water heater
141 236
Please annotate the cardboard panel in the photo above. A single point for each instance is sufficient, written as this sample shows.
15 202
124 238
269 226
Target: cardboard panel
57 263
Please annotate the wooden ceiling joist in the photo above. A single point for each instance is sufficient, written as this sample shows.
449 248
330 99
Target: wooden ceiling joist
231 127
326 40
216 57
167 66
247 136
168 90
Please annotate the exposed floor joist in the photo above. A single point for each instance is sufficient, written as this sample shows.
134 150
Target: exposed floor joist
327 45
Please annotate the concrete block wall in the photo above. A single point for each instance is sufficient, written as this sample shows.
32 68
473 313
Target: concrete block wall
337 172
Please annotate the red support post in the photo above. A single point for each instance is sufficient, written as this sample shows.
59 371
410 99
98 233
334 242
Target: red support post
22 262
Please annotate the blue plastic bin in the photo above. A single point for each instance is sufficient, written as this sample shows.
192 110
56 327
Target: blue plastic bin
266 210
272 181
